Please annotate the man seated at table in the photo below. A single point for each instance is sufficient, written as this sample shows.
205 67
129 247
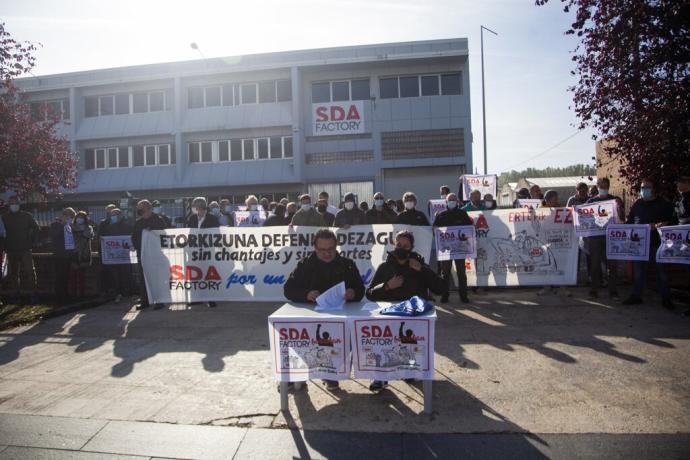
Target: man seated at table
403 275
322 270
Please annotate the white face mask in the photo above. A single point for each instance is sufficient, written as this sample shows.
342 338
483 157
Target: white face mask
156 210
443 197
452 204
14 207
409 205
195 211
305 206
253 207
488 204
603 191
378 203
349 205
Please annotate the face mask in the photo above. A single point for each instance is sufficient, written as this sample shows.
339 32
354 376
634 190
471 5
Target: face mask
400 253
646 192
349 205
80 221
14 207
603 191
253 207
305 206
378 203
215 211
157 210
114 219
195 211
489 204
322 208
452 204
409 205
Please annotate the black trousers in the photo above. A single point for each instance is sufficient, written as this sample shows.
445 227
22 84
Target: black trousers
445 267
142 286
62 267
119 278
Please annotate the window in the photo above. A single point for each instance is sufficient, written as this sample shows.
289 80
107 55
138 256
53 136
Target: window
388 87
321 92
248 93
138 155
122 104
276 148
54 109
195 98
150 155
65 109
156 101
212 96
341 90
450 84
409 86
163 154
287 147
227 95
112 158
248 149
140 102
37 111
430 85
194 156
235 150
107 105
123 157
91 106
284 90
267 91
89 159
206 152
173 158
223 151
100 158
360 90
263 148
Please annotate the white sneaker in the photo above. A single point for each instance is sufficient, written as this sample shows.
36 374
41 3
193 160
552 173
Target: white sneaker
118 298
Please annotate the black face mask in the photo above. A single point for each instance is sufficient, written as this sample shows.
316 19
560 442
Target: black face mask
400 253
321 209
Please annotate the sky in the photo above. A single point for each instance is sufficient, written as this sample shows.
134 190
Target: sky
527 65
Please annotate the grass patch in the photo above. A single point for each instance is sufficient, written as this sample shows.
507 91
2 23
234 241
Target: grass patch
13 312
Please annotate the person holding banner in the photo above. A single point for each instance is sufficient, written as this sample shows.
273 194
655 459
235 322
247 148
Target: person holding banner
158 210
453 216
350 214
200 217
682 204
225 218
654 210
410 216
278 218
147 220
444 190
581 196
118 276
63 248
322 208
307 215
380 213
475 203
535 192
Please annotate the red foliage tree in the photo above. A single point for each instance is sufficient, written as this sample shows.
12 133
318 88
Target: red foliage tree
633 64
32 157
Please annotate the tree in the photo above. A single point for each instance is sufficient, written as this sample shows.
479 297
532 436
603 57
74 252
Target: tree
633 64
573 170
32 157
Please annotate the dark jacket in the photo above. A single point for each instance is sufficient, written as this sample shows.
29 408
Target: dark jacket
682 209
276 221
651 212
152 223
210 221
412 217
355 216
452 217
417 283
22 231
328 218
57 240
313 274
385 216
120 228
308 218
167 220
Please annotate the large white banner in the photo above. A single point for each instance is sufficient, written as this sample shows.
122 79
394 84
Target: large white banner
593 219
335 118
485 184
675 245
117 250
458 242
628 241
524 247
252 264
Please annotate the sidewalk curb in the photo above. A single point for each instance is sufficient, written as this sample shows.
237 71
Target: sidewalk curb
84 305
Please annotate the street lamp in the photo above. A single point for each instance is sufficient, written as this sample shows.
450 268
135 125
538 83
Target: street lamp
481 33
194 46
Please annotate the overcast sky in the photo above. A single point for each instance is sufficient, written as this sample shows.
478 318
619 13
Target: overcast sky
527 65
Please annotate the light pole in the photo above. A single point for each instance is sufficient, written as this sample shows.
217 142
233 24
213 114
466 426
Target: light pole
194 46
481 33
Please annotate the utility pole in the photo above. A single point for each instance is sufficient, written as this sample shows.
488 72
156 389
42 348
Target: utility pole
481 33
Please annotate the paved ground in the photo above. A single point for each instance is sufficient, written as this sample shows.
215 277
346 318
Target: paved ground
517 375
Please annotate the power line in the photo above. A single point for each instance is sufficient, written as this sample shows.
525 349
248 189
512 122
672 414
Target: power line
563 141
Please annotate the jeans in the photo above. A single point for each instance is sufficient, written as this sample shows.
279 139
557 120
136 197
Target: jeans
639 273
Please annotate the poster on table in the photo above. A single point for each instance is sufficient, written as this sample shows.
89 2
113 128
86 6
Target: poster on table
249 218
485 184
524 247
529 203
116 250
304 349
436 206
628 241
593 219
252 264
458 242
390 348
675 245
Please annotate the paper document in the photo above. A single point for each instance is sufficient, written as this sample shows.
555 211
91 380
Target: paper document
370 306
332 299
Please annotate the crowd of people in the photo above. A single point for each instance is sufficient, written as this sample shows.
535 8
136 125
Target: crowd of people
73 232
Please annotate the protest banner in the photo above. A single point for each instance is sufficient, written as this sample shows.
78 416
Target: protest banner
628 241
529 203
117 250
251 264
593 219
305 348
484 183
393 348
249 218
524 247
436 206
458 242
675 245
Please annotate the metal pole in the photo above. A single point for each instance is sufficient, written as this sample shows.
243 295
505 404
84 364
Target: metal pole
481 33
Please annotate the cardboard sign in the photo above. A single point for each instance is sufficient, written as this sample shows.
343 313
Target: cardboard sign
117 250
529 203
628 241
485 184
458 242
249 218
675 245
593 219
436 206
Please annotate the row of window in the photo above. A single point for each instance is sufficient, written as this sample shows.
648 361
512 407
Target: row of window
262 148
424 85
239 94
47 110
126 103
334 91
131 156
